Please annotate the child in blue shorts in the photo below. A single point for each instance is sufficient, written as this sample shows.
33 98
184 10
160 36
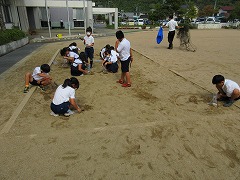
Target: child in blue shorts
39 77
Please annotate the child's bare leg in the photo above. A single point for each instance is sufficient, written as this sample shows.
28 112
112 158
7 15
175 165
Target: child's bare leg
128 78
235 94
28 78
123 76
46 81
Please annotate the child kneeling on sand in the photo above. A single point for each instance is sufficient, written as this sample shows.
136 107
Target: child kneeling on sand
79 65
64 97
39 77
103 50
110 62
228 90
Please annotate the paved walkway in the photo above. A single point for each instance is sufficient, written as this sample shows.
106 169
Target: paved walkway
8 60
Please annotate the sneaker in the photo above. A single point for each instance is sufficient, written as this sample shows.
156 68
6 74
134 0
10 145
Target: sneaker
26 89
228 103
105 71
126 85
53 114
68 113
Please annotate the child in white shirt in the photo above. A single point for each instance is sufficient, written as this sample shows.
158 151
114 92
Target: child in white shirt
73 47
64 97
39 77
79 65
110 62
228 90
89 43
103 50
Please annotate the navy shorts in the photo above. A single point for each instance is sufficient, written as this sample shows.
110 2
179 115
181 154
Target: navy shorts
61 108
75 71
34 83
125 65
89 52
112 67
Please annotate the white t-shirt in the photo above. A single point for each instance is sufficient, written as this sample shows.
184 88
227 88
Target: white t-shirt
172 25
113 56
102 52
124 49
88 40
73 54
76 62
63 94
229 86
73 47
35 73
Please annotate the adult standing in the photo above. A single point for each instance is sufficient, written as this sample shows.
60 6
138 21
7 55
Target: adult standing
172 25
61 24
123 47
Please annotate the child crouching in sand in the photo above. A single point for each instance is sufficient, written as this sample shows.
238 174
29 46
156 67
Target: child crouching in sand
228 90
79 65
64 97
39 77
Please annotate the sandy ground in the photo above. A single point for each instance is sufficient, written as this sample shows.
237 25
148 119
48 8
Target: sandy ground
160 128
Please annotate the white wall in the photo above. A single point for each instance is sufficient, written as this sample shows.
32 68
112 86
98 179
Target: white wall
209 26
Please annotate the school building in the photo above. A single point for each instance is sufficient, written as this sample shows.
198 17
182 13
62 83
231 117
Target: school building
38 14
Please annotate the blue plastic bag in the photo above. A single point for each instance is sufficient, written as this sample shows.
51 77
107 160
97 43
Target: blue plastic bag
160 35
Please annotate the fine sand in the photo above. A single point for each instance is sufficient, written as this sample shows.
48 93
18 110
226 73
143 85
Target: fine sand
160 128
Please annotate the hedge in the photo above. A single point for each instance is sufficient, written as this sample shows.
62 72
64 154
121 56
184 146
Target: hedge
10 35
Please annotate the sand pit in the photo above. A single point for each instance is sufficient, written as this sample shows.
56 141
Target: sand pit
160 128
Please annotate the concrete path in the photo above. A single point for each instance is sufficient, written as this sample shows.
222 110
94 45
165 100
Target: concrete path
8 60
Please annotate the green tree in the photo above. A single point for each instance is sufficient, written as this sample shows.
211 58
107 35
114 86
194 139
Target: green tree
206 11
173 6
235 14
158 12
191 11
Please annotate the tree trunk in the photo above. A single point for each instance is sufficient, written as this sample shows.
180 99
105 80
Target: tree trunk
2 24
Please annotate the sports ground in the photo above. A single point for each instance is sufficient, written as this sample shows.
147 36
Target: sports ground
160 128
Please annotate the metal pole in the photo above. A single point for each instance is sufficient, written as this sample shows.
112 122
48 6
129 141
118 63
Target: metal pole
69 30
49 28
84 14
215 4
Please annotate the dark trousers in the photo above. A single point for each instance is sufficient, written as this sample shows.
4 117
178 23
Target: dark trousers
61 108
171 35
89 54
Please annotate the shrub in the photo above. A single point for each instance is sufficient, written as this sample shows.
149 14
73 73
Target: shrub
110 26
10 35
